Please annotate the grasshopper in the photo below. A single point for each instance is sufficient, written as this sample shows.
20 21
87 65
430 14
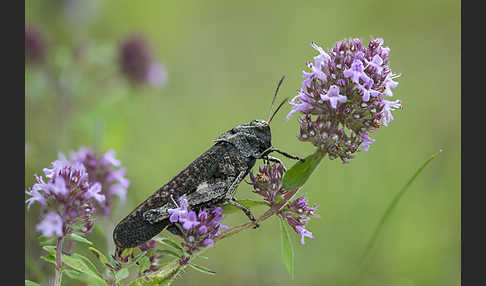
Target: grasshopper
211 179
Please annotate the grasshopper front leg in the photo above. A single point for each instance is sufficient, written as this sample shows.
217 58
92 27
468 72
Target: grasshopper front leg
276 160
273 149
230 197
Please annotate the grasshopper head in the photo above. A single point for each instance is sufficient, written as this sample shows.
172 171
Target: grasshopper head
254 135
261 130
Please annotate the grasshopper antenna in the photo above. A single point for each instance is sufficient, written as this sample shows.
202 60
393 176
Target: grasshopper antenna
276 110
273 101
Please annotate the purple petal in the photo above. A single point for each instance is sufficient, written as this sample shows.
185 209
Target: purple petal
302 231
367 140
203 215
218 211
183 203
94 192
50 225
333 101
59 187
203 229
36 197
388 108
190 220
174 217
207 242
118 190
109 158
157 75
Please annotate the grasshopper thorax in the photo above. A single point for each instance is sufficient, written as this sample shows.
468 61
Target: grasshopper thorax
253 137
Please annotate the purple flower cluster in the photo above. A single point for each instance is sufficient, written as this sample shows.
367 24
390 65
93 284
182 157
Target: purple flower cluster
298 214
35 46
107 171
137 63
67 199
268 184
199 230
342 98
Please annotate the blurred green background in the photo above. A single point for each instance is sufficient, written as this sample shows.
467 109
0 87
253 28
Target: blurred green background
224 59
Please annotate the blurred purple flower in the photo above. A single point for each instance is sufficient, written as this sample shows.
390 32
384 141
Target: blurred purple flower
137 62
135 58
66 198
35 46
200 229
106 170
342 98
51 225
157 75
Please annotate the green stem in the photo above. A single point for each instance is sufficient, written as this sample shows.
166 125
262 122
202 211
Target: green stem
386 215
58 279
273 210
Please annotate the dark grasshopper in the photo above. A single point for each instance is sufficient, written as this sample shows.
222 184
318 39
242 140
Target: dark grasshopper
209 180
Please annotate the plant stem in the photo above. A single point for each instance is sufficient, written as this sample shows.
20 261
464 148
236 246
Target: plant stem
367 252
273 210
58 279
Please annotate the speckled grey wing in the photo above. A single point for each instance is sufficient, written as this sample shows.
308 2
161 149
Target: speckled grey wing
135 229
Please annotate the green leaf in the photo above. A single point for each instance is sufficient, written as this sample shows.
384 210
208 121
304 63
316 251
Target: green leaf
45 240
287 249
145 263
151 282
126 252
51 249
202 257
99 255
227 208
202 269
88 262
76 275
77 263
167 252
121 274
392 206
31 283
111 260
296 176
167 242
138 257
50 259
80 238
164 276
